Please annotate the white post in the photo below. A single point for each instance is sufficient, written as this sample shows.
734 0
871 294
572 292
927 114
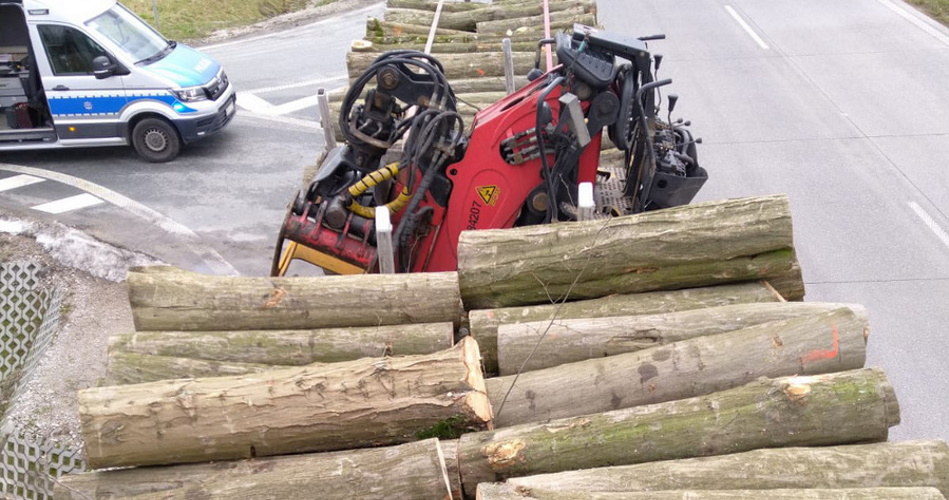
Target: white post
508 65
155 12
585 203
431 31
384 241
326 118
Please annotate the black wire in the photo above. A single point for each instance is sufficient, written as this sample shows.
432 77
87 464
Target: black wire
548 181
426 130
442 95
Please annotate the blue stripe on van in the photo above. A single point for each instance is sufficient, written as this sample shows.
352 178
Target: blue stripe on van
107 105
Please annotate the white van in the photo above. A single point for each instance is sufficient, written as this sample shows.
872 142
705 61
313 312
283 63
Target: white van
91 73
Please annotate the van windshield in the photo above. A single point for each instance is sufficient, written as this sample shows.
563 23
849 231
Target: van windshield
131 34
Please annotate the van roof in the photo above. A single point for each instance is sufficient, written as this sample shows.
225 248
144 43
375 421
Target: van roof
70 10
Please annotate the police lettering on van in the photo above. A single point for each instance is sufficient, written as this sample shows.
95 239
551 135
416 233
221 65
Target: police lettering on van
91 73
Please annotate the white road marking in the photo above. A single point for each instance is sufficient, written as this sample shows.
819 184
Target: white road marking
761 43
930 223
210 256
917 21
18 181
254 104
69 204
297 105
334 81
258 106
289 121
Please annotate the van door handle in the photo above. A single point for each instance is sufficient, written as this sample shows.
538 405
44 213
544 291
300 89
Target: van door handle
60 87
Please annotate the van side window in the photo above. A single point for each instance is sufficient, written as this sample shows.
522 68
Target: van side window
70 51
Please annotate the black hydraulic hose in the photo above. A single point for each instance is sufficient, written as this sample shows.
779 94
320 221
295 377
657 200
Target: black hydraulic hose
638 100
420 142
548 180
443 91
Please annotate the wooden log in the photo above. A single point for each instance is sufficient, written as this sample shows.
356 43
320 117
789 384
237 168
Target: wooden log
460 21
351 404
381 28
484 323
905 463
468 19
449 449
564 19
442 48
820 343
696 245
504 491
192 301
454 6
456 65
449 6
524 35
838 408
543 344
134 368
289 347
412 470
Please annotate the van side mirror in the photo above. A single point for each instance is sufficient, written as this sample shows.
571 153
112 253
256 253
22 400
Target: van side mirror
103 67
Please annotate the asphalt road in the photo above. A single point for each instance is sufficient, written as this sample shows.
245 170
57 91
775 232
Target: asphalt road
842 105
226 195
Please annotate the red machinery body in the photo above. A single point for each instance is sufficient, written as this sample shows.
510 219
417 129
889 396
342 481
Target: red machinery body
520 163
488 192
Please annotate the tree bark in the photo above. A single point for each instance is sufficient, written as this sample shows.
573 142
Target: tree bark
839 408
133 368
192 301
484 323
544 344
444 48
456 65
820 343
450 6
468 19
906 463
683 247
352 404
381 28
290 347
384 35
563 19
503 491
412 470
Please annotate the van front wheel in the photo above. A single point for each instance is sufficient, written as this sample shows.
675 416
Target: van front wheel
156 140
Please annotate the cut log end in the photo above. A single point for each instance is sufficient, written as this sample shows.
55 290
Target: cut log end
478 400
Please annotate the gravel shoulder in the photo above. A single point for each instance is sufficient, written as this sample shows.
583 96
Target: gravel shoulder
91 276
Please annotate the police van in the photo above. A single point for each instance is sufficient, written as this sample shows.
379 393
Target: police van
91 73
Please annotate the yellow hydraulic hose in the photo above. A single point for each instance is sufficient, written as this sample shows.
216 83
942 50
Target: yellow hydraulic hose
371 180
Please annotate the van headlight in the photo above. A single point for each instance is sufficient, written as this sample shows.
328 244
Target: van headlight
191 94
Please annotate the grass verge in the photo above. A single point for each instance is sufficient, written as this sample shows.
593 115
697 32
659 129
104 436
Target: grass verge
192 19
937 9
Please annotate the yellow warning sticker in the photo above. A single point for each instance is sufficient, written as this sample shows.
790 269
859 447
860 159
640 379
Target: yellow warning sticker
489 194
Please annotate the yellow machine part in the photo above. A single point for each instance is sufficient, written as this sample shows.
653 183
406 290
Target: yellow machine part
294 250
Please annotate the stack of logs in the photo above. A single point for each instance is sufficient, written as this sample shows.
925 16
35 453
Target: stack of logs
652 356
466 28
